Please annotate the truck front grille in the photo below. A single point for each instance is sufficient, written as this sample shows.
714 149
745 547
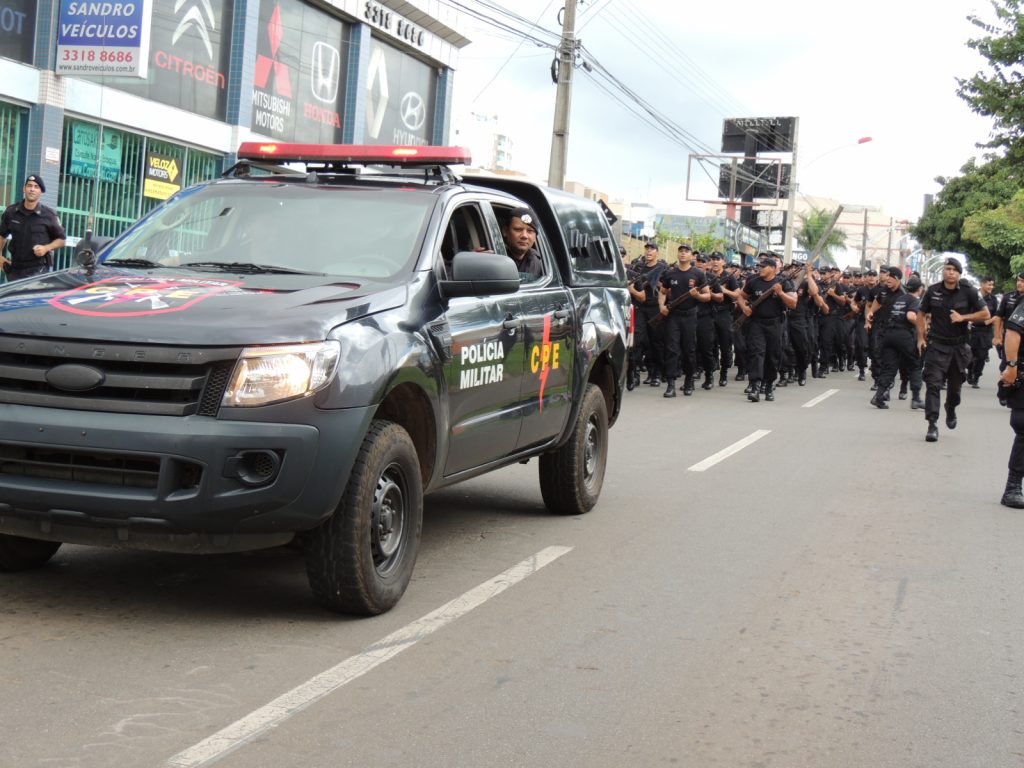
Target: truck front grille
168 381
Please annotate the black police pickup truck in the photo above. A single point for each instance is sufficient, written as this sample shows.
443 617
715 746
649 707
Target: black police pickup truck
299 354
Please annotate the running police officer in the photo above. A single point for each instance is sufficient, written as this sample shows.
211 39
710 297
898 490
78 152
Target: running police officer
949 306
983 334
897 321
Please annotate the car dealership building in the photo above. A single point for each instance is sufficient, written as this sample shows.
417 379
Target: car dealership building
119 105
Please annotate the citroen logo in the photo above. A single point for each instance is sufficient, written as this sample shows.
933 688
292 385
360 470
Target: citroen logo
194 18
413 111
324 72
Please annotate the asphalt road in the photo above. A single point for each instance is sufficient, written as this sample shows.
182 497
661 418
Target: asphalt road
837 592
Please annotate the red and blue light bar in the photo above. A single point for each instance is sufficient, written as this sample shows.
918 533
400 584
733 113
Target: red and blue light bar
284 152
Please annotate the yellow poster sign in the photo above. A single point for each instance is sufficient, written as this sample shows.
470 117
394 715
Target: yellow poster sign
163 177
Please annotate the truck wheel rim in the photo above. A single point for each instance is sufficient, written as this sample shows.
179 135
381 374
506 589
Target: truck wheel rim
591 452
388 521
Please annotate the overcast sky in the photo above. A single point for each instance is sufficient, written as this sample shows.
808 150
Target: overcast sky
881 69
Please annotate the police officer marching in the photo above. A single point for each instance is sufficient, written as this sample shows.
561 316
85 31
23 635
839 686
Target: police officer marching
983 333
683 286
644 289
764 333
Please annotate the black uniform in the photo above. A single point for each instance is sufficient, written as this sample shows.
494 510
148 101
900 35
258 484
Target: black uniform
681 323
1014 398
982 335
800 331
898 339
948 354
649 344
1007 304
764 330
29 228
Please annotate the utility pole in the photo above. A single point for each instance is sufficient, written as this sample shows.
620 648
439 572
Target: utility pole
888 250
563 98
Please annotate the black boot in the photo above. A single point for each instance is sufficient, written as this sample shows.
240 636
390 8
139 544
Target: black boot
916 403
1012 496
879 399
933 431
950 418
688 386
801 378
709 380
974 381
670 390
723 380
754 395
861 376
903 390
769 394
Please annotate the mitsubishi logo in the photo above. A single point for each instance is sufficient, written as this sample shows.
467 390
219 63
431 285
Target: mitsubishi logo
264 64
413 111
194 17
324 72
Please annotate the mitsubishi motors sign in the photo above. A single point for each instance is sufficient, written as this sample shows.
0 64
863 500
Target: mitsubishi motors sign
299 83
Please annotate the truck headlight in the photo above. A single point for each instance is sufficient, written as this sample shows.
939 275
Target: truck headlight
265 375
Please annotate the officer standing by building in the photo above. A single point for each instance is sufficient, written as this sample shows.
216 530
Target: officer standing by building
683 285
949 307
34 230
764 321
644 288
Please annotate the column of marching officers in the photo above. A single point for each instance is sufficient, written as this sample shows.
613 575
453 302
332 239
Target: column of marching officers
780 323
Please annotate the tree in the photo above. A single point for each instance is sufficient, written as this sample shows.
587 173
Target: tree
812 227
980 188
999 94
1000 230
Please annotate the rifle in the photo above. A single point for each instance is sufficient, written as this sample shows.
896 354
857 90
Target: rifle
658 319
793 269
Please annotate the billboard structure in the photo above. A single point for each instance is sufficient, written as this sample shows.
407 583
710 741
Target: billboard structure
747 178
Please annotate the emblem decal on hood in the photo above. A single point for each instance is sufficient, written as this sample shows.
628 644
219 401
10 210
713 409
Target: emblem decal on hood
134 296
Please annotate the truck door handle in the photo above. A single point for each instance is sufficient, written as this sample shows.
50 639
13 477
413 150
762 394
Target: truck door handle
561 314
511 323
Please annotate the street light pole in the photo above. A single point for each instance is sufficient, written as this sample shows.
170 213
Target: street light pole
787 255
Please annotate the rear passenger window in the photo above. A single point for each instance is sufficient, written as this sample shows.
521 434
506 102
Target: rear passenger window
588 238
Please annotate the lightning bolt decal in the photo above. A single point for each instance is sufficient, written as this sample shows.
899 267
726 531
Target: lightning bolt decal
545 368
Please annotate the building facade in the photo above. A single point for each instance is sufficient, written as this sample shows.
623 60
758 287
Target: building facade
111 147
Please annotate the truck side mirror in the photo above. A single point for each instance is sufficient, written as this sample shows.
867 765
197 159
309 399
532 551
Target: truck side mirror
480 274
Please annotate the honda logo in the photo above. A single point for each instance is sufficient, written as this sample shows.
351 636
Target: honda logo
325 71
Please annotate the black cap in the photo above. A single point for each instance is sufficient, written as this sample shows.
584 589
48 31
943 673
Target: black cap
525 215
894 272
651 244
37 179
716 256
951 262
1020 275
685 247
914 283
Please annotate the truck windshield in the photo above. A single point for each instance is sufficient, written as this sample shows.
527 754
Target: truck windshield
370 233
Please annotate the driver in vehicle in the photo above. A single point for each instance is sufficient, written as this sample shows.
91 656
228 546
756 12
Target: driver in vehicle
520 233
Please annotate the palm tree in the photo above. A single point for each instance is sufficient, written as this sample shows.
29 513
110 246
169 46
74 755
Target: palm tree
812 227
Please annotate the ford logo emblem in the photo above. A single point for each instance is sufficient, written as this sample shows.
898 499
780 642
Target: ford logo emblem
71 377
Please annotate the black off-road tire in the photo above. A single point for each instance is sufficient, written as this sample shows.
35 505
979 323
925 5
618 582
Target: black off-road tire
21 554
359 561
571 476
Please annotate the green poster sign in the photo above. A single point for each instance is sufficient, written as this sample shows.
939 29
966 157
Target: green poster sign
86 148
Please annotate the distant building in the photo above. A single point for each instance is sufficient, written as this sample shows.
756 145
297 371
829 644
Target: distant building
491 149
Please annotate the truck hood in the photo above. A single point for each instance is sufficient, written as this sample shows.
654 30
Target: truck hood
177 306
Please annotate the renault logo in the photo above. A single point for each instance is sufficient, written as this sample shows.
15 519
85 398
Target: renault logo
194 18
413 111
325 70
